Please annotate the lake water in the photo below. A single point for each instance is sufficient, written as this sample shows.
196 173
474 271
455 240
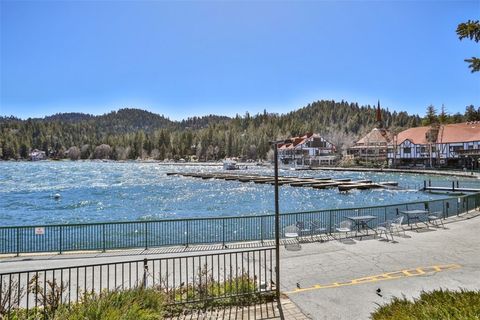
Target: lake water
111 191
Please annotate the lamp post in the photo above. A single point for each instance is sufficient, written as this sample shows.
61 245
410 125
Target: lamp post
277 217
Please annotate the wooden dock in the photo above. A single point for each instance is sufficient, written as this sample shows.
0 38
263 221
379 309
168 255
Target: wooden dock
455 188
311 182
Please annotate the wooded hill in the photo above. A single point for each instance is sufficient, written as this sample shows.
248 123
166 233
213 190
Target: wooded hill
134 133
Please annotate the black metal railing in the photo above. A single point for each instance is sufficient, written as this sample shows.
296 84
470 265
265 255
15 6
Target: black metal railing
181 279
185 232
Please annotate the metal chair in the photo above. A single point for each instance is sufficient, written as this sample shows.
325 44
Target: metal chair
291 232
385 227
316 228
396 224
303 229
436 219
344 226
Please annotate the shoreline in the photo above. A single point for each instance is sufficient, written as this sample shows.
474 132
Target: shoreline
472 175
468 174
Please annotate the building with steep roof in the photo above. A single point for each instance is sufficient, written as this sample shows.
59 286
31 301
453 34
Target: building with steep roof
310 149
373 146
454 145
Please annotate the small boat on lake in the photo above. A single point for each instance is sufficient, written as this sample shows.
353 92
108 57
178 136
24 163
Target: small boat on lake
230 165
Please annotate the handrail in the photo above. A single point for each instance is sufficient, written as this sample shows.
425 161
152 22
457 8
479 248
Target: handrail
206 230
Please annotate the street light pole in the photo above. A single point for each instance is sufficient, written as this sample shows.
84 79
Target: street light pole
277 223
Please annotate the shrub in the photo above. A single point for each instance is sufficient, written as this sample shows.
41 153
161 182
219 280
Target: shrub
136 304
438 304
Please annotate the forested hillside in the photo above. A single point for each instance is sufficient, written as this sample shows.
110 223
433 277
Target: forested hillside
134 133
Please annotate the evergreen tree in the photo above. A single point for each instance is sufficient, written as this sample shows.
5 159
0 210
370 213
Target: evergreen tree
430 116
471 30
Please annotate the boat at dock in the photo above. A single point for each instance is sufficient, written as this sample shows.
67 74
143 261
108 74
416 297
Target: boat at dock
230 165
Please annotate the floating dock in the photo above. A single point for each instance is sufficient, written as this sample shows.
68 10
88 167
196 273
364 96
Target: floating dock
311 182
455 188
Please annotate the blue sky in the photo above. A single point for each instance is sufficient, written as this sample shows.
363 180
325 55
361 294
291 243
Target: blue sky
191 58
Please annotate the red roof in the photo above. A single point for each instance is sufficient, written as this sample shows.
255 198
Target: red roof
449 133
375 137
461 132
416 135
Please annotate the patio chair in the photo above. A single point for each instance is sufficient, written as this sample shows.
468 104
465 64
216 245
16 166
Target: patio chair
385 227
316 227
344 226
303 228
291 232
396 224
436 219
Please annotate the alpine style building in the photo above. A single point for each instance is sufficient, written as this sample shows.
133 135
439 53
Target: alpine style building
373 146
310 149
451 145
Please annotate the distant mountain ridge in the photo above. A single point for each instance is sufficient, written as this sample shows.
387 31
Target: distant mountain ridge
128 120
67 117
135 133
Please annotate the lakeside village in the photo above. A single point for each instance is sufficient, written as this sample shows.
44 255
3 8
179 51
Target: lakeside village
453 146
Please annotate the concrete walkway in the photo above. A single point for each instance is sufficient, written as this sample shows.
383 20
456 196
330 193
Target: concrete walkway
346 280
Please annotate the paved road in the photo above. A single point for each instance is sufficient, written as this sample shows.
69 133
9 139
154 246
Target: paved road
339 280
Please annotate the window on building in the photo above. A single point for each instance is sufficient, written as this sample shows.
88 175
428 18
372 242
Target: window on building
407 150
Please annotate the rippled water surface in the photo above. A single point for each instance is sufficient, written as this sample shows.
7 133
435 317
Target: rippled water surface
99 191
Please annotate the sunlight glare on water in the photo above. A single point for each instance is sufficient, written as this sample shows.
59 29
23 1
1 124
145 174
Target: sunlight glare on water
112 191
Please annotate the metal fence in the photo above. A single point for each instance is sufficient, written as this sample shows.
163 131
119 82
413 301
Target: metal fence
185 232
182 279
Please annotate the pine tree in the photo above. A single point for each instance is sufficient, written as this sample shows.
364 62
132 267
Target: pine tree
471 30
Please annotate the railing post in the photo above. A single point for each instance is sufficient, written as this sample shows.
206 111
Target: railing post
330 222
186 233
61 238
18 242
261 230
145 272
223 232
103 236
385 213
444 214
146 236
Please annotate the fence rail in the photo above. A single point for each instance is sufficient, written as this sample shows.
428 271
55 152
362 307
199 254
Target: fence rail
185 232
183 279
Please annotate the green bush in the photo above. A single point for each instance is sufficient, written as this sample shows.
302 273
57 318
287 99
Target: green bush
137 304
438 304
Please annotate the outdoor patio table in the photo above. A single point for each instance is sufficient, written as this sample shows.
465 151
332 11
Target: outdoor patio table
414 215
361 222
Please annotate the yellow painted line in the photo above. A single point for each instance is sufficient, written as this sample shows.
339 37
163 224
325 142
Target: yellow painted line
382 277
